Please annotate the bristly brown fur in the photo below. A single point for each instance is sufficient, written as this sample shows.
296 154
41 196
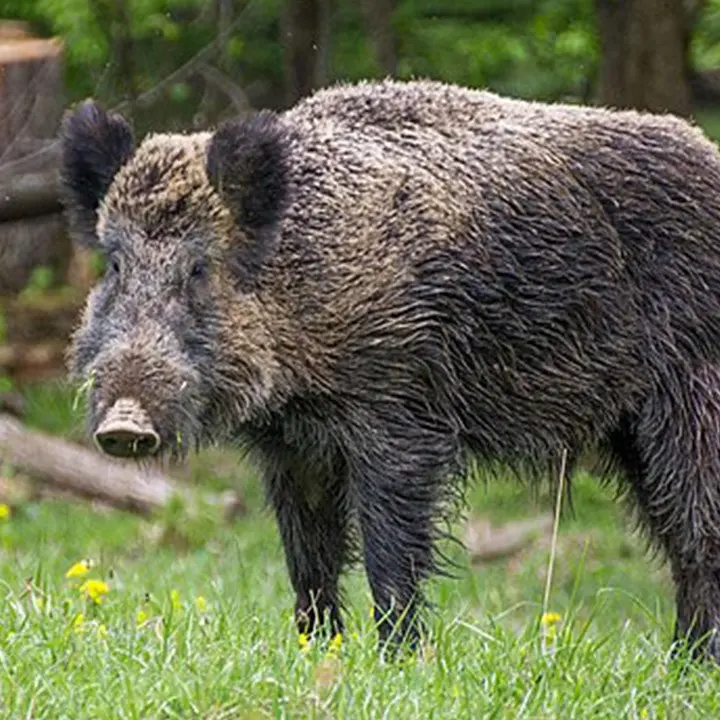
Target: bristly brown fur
391 278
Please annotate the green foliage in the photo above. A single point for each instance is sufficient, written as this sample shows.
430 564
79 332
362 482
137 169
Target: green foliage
705 48
543 49
41 279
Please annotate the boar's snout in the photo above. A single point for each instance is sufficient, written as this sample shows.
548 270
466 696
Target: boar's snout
126 431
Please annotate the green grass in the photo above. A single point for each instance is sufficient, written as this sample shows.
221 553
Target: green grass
240 657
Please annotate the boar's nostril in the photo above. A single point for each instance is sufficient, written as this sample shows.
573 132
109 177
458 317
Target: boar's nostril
125 442
127 431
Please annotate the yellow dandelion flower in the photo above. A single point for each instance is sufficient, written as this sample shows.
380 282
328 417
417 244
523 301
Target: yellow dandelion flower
102 631
4 511
201 603
78 623
335 643
94 590
304 641
141 617
550 618
175 599
79 569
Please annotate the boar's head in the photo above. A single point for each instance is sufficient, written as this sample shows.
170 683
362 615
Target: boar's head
173 346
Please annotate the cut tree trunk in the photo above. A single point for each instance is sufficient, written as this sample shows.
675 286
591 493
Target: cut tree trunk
88 474
644 47
32 231
31 92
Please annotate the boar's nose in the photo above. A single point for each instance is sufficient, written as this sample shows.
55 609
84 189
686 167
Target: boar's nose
127 440
127 431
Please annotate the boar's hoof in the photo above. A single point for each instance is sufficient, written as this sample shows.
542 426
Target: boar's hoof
127 432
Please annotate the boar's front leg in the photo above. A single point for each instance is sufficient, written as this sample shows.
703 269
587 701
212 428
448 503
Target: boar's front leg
398 479
310 504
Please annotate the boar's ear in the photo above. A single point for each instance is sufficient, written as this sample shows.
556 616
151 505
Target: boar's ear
247 166
95 145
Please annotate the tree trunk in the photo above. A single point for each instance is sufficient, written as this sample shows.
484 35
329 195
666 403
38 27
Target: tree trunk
31 104
378 18
644 45
306 29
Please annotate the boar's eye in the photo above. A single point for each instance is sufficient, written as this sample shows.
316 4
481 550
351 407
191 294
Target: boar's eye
198 270
113 264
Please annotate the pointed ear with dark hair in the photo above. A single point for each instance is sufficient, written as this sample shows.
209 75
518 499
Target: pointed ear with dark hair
247 165
95 145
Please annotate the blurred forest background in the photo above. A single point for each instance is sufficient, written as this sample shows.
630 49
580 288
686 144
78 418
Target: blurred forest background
186 64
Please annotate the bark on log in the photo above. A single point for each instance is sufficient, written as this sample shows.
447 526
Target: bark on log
90 475
487 544
14 30
30 196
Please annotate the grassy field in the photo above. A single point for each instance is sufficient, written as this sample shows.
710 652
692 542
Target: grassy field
207 631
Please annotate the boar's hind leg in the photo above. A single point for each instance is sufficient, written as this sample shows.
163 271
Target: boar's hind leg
311 511
671 452
397 480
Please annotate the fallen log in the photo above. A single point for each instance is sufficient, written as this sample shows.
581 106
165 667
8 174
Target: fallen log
88 474
29 196
14 30
486 543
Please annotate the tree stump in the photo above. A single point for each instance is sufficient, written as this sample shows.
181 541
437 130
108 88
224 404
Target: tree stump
31 107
